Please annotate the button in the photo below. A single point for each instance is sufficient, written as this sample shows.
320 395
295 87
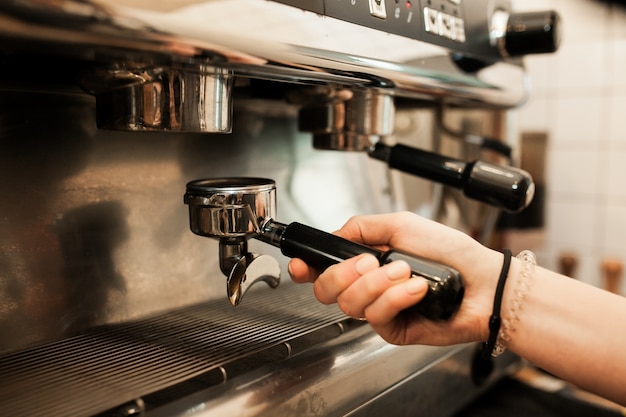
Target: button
431 22
378 9
445 25
459 29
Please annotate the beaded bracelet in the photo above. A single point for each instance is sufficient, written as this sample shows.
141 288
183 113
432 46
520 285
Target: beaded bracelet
512 314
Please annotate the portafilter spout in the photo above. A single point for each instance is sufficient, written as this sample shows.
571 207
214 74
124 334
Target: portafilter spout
217 207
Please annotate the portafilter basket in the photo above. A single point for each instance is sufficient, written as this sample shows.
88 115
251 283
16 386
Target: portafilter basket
231 210
230 207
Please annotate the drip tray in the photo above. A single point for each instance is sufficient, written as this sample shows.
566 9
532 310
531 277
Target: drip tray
154 358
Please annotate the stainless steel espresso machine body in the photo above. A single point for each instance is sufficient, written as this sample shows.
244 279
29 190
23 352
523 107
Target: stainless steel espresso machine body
110 305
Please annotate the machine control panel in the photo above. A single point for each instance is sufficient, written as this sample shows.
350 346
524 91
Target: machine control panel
463 27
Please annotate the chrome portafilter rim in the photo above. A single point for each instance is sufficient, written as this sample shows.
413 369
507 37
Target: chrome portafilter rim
230 207
231 185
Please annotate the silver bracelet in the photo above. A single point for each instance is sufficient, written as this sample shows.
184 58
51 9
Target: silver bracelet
512 314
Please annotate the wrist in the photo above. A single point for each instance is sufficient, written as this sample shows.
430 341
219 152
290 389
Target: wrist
521 274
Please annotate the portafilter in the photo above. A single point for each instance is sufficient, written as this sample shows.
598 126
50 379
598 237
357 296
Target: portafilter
234 210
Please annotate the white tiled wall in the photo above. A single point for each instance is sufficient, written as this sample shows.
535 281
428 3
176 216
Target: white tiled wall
579 98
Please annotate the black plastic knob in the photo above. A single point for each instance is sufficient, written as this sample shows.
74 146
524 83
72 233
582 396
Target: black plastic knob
505 187
532 33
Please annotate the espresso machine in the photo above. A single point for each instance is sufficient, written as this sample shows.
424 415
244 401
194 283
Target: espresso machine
160 159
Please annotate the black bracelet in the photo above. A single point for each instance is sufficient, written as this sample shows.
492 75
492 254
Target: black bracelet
495 319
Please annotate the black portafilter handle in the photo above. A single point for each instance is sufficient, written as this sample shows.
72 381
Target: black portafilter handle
321 249
507 188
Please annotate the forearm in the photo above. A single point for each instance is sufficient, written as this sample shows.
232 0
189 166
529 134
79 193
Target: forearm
573 330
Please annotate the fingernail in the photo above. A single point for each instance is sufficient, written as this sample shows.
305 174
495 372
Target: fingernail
397 270
366 264
415 285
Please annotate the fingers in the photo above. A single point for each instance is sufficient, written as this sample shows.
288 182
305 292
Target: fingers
385 308
300 272
337 278
382 231
373 282
362 288
373 230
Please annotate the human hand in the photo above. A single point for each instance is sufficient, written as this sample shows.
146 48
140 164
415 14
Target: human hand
363 288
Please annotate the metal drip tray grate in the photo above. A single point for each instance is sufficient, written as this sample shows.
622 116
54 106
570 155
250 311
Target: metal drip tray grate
109 366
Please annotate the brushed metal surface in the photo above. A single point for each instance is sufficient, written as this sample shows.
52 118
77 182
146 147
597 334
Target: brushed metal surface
94 228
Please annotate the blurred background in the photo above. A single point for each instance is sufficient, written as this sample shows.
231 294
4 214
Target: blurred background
578 101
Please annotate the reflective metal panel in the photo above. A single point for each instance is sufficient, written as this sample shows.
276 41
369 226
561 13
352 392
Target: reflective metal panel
94 228
261 39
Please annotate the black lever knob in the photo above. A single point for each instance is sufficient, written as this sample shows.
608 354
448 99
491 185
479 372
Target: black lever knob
532 33
505 187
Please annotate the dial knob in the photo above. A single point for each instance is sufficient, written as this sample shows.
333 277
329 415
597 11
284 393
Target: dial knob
517 34
532 33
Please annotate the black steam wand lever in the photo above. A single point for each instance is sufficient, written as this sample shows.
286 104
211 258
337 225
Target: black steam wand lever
505 187
321 249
